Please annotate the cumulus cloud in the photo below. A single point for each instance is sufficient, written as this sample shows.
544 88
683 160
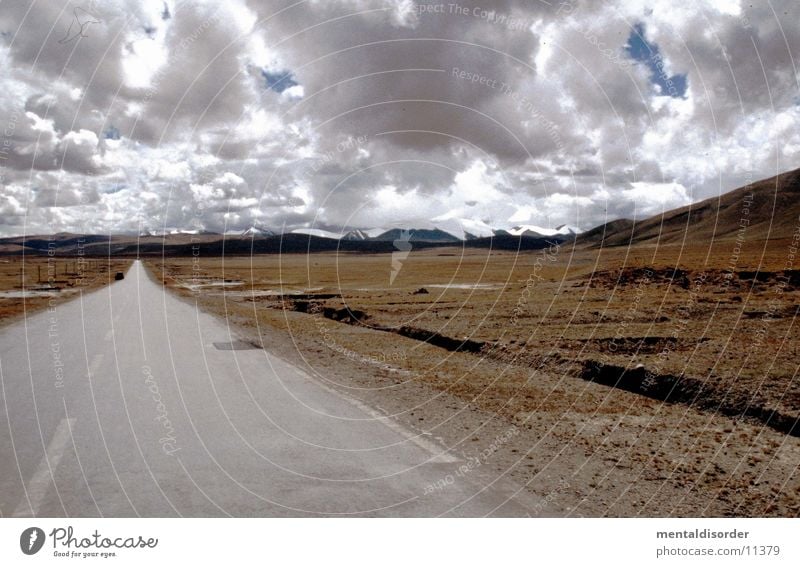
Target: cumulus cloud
218 116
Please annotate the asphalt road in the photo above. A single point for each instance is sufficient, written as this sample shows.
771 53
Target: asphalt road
131 402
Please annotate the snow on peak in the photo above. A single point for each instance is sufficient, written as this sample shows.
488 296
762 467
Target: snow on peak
255 231
464 229
363 233
318 232
539 231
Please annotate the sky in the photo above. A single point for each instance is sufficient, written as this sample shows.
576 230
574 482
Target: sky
123 116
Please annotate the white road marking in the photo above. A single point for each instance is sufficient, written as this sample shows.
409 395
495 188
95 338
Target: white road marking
440 454
40 481
109 334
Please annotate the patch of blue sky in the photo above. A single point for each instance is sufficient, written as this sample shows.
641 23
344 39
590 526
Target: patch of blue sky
639 49
279 81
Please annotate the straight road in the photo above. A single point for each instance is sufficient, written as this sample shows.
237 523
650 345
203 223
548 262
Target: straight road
131 402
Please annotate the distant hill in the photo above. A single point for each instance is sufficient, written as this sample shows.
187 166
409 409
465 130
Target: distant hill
617 231
416 235
769 208
254 232
308 243
538 231
258 240
217 245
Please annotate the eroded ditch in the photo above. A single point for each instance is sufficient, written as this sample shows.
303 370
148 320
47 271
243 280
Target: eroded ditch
684 390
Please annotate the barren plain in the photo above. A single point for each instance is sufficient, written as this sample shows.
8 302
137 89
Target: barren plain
646 380
36 282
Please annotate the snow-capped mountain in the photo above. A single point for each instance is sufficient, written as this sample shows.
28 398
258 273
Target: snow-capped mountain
567 230
318 232
538 231
436 230
363 234
256 232
463 229
195 232
417 235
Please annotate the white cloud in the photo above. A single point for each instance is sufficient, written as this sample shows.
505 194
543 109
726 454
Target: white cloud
560 126
653 198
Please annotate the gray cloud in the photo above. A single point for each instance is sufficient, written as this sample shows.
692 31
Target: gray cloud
529 112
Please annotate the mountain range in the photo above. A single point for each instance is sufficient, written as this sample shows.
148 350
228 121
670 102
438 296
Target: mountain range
451 230
766 209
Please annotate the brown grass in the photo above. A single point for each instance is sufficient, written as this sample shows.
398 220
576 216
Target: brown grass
56 279
542 317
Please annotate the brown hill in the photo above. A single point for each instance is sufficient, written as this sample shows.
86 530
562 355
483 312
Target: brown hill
769 209
617 231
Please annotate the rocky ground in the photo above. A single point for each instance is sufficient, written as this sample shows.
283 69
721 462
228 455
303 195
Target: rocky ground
31 283
638 381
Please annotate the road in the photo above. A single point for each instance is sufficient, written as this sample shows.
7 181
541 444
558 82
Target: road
129 401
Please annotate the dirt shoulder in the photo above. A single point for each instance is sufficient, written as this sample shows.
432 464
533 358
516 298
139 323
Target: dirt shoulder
581 448
31 284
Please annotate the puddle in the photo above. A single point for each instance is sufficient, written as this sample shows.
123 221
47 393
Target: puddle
268 292
464 286
23 293
252 293
434 286
212 284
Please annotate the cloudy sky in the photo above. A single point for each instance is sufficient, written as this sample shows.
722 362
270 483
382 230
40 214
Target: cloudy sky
128 115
